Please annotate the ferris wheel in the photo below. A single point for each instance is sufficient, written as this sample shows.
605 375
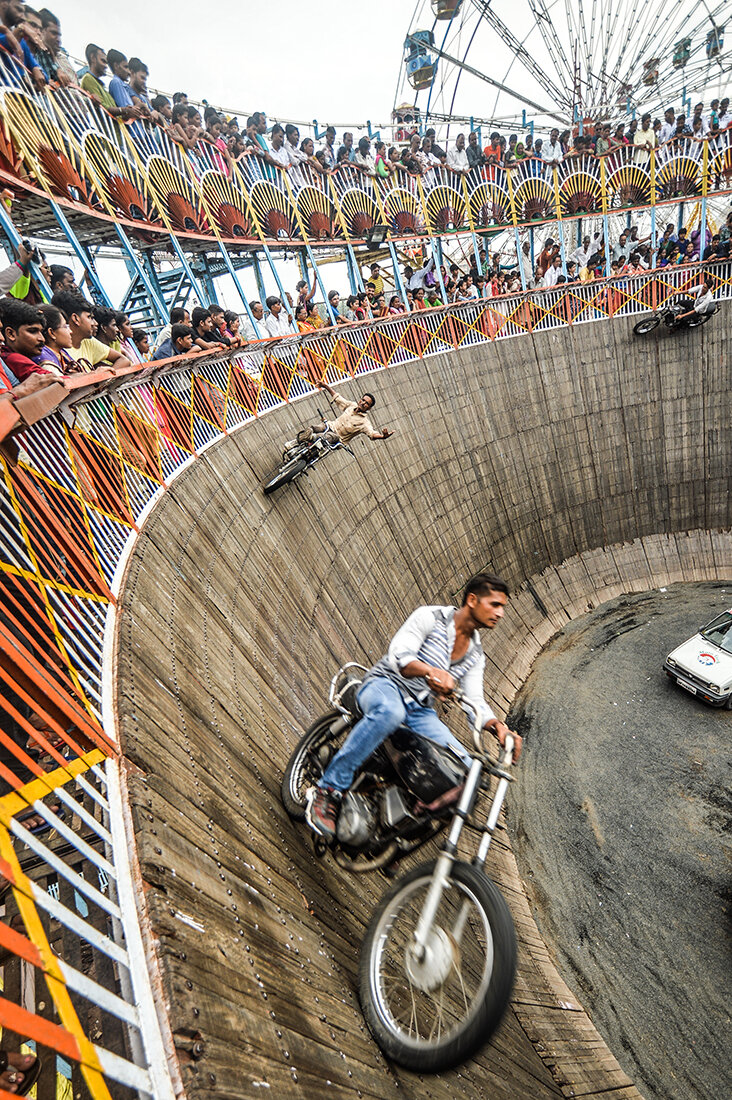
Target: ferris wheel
554 62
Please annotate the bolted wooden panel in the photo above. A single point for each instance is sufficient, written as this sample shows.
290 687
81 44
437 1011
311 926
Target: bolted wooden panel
577 460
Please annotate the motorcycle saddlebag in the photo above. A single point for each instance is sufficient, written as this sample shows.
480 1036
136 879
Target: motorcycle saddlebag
427 770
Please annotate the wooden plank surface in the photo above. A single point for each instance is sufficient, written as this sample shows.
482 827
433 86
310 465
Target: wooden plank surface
557 460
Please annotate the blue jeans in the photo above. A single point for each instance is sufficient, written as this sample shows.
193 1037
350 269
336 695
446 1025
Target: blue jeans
384 710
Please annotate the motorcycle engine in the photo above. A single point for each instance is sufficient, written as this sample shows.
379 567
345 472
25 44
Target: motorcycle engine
356 820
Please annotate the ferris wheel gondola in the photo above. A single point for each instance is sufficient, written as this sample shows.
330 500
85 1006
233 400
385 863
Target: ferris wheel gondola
553 62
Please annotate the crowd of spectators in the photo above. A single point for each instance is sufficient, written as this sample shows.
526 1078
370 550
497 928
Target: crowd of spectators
70 334
31 39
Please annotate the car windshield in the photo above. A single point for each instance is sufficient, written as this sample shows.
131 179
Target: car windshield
719 632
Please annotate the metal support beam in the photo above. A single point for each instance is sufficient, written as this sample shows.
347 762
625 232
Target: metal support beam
606 236
239 288
358 287
261 289
321 284
81 254
398 281
522 275
195 285
437 254
156 299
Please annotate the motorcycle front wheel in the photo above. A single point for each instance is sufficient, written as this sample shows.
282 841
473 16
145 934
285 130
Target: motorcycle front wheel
434 1012
284 474
311 757
646 326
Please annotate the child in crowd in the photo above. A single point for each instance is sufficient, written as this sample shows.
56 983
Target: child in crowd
54 355
142 343
126 341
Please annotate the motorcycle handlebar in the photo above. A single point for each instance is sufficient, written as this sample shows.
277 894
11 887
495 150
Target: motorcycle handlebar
506 749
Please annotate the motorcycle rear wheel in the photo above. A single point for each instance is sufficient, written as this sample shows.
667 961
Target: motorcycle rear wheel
311 757
432 1014
647 325
283 475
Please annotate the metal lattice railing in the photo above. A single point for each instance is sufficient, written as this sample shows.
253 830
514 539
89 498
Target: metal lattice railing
76 977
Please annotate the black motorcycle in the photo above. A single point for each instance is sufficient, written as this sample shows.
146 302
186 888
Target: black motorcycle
668 316
439 957
297 460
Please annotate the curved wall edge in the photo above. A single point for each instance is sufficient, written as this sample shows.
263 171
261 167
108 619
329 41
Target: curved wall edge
236 608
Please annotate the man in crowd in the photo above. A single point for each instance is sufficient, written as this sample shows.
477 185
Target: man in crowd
621 251
14 34
553 272
119 85
475 154
436 150
644 141
62 278
279 322
457 158
178 316
91 82
85 348
668 127
52 57
23 337
328 150
180 342
246 329
204 336
377 279
551 152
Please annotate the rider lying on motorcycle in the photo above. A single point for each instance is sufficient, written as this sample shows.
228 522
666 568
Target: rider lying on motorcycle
353 421
436 649
703 300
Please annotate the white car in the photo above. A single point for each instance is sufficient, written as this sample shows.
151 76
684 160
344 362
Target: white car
703 664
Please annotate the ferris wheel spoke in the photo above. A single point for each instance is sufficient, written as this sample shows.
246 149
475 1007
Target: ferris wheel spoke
551 40
524 57
497 84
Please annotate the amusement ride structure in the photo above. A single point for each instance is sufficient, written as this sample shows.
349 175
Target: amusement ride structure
553 63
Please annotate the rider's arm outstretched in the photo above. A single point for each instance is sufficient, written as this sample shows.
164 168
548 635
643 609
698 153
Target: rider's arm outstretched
362 406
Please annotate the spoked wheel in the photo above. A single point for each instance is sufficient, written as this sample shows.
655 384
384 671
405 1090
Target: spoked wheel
430 1013
647 325
284 474
702 320
311 757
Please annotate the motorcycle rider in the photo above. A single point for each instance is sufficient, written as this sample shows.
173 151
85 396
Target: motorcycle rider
436 649
353 421
703 302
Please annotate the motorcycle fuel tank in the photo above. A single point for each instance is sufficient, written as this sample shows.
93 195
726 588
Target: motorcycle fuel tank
427 770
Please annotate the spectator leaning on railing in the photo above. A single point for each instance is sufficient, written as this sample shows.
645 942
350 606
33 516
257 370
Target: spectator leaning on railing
86 350
180 342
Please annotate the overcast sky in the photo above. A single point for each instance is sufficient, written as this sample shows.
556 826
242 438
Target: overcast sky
334 60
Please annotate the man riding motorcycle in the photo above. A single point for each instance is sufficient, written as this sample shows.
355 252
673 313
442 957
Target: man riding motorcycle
436 649
353 421
703 302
